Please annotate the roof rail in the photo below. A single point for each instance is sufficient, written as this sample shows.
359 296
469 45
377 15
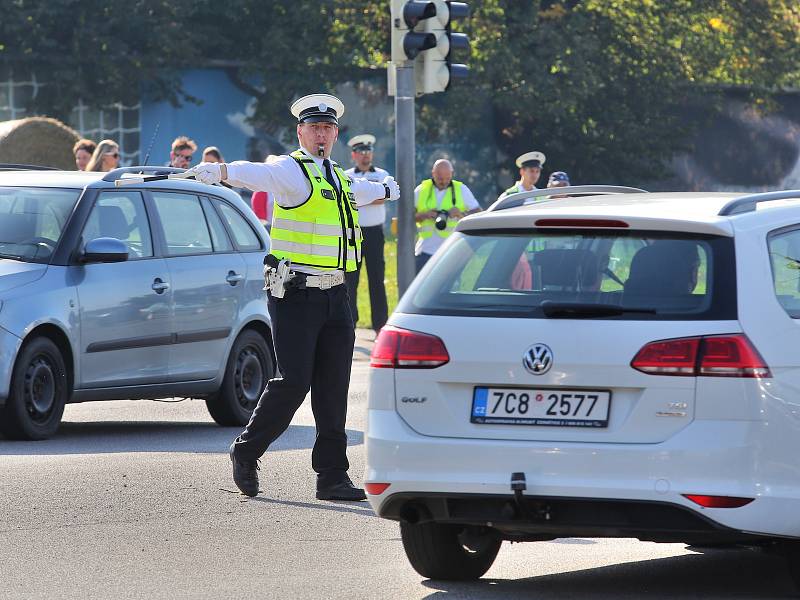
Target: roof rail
518 199
745 204
155 170
15 167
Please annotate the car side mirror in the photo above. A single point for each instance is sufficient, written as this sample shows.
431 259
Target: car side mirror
105 250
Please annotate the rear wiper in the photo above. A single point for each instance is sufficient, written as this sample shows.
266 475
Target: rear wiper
580 310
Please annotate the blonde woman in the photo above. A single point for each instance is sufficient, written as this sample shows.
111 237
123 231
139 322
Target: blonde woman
105 157
212 154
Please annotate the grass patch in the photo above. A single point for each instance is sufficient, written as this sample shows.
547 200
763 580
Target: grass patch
390 281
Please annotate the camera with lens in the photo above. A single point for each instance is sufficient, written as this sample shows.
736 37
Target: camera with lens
441 220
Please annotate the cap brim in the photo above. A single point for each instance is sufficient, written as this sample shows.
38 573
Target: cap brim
320 119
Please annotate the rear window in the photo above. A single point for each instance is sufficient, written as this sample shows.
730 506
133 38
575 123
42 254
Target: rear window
579 274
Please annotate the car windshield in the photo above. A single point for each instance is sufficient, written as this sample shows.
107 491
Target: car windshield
581 274
32 221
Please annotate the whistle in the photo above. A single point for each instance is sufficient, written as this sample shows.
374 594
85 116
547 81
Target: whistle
321 150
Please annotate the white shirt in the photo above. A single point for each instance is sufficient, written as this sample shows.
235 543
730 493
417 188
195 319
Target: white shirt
285 181
370 215
431 244
283 178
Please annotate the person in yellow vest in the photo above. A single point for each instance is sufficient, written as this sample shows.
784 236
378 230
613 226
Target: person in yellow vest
316 239
440 202
530 170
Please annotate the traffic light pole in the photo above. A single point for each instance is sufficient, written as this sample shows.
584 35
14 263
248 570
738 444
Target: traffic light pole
404 141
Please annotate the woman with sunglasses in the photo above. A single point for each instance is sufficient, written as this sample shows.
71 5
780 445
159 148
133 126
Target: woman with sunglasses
105 157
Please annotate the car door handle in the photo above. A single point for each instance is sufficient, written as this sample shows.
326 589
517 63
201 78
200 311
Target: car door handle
159 286
233 277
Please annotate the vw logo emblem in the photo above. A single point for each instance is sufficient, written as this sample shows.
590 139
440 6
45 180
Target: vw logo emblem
538 359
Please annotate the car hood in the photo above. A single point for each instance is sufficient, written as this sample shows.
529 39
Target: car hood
14 273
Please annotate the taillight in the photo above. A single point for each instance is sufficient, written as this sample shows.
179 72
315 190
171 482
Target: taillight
708 356
668 357
398 348
718 501
731 356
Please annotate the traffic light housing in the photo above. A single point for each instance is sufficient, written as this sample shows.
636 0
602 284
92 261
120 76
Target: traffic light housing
421 31
435 68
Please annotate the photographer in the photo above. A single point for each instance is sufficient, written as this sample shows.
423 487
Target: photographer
440 202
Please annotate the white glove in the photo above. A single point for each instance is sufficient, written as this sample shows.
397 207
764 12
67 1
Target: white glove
208 173
394 189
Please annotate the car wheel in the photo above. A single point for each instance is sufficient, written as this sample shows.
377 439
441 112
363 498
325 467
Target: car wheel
453 552
790 551
38 392
249 368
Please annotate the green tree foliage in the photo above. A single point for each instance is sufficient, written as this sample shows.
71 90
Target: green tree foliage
597 84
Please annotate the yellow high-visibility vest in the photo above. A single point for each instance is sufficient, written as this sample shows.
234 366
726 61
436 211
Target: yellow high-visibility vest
323 232
427 201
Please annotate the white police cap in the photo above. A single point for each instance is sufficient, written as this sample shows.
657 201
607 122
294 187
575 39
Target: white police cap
318 108
364 141
530 159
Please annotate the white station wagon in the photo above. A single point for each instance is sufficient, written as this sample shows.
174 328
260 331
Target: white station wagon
608 364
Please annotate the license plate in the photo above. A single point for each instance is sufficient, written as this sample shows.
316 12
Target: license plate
531 406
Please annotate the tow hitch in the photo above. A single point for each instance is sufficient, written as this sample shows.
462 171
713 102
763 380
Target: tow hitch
519 485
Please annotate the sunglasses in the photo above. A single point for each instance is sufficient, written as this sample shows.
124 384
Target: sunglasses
114 154
184 156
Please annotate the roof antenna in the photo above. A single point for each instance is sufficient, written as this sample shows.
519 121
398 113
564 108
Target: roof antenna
150 147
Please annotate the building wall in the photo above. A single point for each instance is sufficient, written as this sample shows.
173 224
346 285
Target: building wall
219 120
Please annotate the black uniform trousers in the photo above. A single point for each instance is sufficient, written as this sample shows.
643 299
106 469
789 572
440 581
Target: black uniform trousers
313 335
372 251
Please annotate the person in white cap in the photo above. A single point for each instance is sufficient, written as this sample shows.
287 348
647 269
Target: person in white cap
316 238
530 169
371 218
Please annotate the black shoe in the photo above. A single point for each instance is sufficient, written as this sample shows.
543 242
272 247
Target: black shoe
245 474
341 490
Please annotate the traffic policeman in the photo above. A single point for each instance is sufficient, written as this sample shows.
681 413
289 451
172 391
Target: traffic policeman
371 218
530 169
440 202
316 239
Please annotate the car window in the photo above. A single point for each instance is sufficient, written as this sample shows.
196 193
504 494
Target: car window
784 254
121 215
243 234
219 237
184 223
32 221
633 275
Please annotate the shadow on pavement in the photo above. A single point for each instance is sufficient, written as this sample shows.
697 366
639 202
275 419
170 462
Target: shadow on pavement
358 508
103 437
717 574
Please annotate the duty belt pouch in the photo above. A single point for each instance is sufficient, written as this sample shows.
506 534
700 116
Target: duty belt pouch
276 274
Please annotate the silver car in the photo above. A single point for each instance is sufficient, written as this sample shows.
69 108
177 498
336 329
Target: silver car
138 291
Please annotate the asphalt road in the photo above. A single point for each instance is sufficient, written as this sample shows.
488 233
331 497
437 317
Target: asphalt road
135 500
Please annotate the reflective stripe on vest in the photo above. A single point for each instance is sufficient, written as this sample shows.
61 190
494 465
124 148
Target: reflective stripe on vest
317 233
427 201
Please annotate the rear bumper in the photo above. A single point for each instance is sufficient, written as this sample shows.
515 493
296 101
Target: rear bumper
708 457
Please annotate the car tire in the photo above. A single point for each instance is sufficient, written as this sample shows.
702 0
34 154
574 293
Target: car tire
790 551
250 366
38 393
439 551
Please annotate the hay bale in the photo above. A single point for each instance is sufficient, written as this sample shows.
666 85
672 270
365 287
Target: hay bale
37 141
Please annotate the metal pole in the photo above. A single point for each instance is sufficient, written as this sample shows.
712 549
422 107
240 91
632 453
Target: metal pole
404 141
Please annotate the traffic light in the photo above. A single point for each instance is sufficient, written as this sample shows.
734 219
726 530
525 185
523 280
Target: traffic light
435 69
407 43
421 31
